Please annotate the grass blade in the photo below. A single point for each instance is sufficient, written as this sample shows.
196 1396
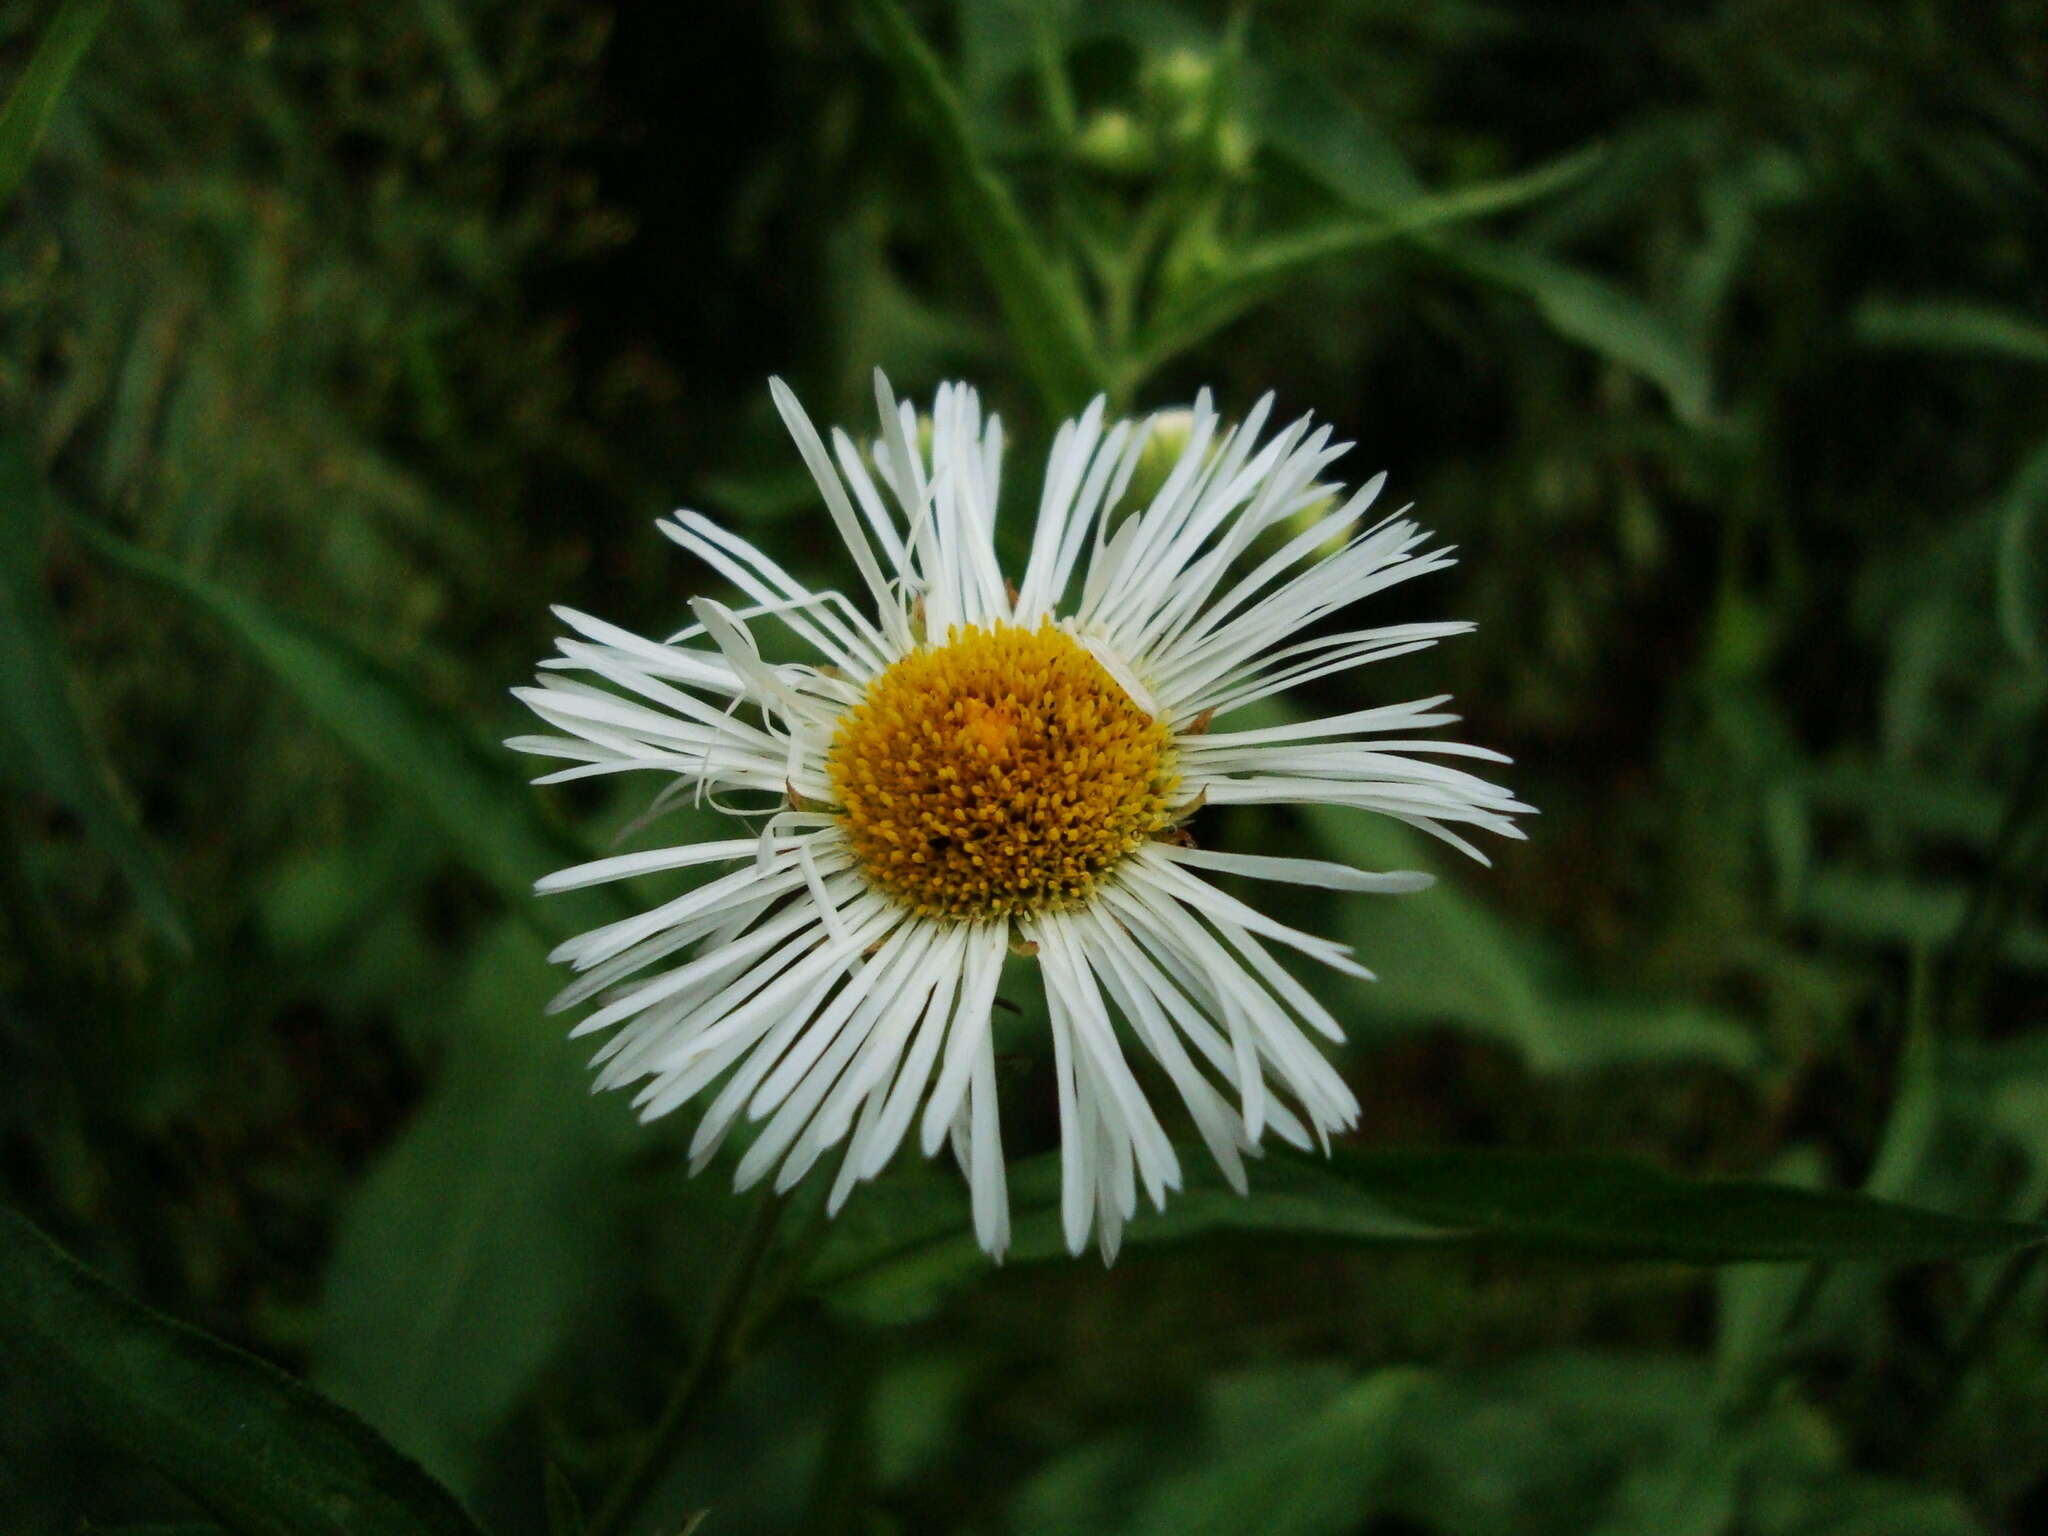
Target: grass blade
1047 321
493 821
51 744
1952 325
35 95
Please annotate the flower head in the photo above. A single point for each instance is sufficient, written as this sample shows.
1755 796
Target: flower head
968 770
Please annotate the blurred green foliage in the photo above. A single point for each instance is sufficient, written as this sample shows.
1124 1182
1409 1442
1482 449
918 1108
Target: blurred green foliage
336 342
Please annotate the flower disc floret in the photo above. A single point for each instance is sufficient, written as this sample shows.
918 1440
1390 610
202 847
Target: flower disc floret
1001 772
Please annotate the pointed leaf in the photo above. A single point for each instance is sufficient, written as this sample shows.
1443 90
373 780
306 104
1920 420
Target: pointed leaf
261 1450
484 1234
1264 269
1587 1204
896 1252
1598 315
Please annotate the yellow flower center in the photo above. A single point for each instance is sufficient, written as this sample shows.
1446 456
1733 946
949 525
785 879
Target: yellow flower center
1001 772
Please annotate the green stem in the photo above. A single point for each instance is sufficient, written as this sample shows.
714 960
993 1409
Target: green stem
723 1348
1053 84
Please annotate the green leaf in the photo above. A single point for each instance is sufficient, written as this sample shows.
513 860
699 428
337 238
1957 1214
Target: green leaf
1899 910
1304 1480
1048 323
1303 119
1600 316
35 94
1906 798
896 1253
1264 269
2022 583
1444 957
1338 146
1601 1206
264 1452
39 721
1952 325
494 822
482 1236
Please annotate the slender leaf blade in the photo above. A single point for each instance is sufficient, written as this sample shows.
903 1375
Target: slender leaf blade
1600 316
894 1252
2022 569
35 95
1600 1206
1965 326
1266 268
1047 321
897 1256
38 715
495 825
266 1453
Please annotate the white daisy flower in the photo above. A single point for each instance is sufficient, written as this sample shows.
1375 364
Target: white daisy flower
971 770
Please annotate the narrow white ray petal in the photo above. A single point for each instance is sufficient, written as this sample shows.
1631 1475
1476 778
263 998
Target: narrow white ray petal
600 944
1242 601
1303 1069
823 618
607 974
738 1010
1096 1036
1072 448
887 609
981 972
794 1114
626 865
646 1046
705 974
915 1074
851 1163
1206 898
929 989
855 468
1335 877
681 664
988 1189
762 1053
884 971
1141 1007
1077 1150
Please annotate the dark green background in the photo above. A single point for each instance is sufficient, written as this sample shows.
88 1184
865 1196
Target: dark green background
337 341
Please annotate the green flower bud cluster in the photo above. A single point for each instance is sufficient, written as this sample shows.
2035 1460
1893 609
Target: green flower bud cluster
1183 118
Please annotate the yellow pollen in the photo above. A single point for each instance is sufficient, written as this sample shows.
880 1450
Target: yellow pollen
1002 772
